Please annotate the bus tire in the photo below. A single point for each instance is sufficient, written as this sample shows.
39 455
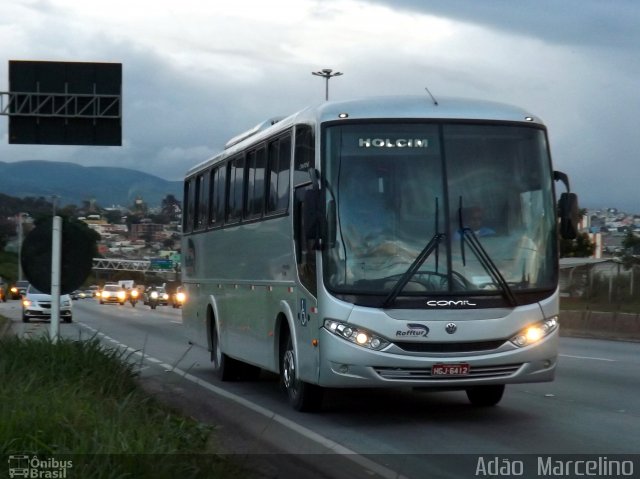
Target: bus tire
226 368
485 396
302 396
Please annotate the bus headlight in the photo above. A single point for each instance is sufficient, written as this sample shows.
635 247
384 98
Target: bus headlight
534 333
356 335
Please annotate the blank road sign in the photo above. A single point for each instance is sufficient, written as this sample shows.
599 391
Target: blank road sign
65 103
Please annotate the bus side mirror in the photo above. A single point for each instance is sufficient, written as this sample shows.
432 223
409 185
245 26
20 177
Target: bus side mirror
569 215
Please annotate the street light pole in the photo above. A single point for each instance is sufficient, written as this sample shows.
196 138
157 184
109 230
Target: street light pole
326 73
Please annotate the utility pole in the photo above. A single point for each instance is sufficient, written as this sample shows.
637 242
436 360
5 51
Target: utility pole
326 73
20 238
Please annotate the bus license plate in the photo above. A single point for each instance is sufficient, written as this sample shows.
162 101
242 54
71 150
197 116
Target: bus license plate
461 369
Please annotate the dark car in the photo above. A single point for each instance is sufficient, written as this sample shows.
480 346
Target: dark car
19 289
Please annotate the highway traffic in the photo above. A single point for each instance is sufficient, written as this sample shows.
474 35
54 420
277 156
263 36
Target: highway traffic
591 408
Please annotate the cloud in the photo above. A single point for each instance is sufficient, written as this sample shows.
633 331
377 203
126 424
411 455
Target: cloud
569 22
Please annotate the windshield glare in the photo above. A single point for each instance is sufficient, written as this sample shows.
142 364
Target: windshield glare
396 187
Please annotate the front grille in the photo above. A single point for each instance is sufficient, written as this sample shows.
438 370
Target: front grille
44 305
468 347
424 374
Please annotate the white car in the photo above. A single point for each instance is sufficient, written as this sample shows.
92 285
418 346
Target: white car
37 305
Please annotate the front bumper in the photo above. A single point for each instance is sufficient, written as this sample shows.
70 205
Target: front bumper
112 299
345 364
38 312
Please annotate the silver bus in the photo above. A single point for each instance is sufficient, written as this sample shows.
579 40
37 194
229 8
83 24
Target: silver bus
383 242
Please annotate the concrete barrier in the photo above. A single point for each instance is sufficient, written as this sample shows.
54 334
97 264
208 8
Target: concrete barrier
595 324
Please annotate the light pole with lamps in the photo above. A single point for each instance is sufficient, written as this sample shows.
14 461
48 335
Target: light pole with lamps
326 73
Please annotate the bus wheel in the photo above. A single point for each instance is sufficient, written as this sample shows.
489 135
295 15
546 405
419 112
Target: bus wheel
226 368
302 396
484 396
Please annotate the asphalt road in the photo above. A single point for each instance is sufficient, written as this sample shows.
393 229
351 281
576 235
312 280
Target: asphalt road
592 407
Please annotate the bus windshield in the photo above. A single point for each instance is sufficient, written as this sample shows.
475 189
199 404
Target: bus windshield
444 208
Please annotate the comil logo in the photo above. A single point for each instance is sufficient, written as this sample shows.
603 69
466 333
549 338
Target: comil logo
389 143
461 303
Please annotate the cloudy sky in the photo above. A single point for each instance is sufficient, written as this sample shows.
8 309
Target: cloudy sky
196 72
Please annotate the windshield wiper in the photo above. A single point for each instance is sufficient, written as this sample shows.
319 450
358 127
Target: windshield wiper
431 246
467 235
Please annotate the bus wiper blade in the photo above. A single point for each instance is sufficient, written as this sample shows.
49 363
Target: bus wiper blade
432 245
467 235
487 263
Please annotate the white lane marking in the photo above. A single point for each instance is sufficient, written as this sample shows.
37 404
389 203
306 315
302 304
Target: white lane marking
588 357
306 432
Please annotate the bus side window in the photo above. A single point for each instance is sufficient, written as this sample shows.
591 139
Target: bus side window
251 181
236 189
195 217
272 191
279 170
284 168
221 185
213 189
260 182
202 187
187 222
256 163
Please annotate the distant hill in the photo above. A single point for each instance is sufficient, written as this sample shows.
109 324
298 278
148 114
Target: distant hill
75 183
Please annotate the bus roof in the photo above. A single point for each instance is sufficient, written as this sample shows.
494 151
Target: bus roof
389 107
422 107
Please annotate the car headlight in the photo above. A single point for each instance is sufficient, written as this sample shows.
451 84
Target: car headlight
535 332
26 303
122 295
356 335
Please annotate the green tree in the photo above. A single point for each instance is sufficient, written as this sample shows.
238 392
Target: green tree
581 247
169 209
631 245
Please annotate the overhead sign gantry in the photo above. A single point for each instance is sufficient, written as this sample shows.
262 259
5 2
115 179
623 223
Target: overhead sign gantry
64 103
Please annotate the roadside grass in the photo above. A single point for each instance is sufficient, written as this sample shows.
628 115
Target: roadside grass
79 399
